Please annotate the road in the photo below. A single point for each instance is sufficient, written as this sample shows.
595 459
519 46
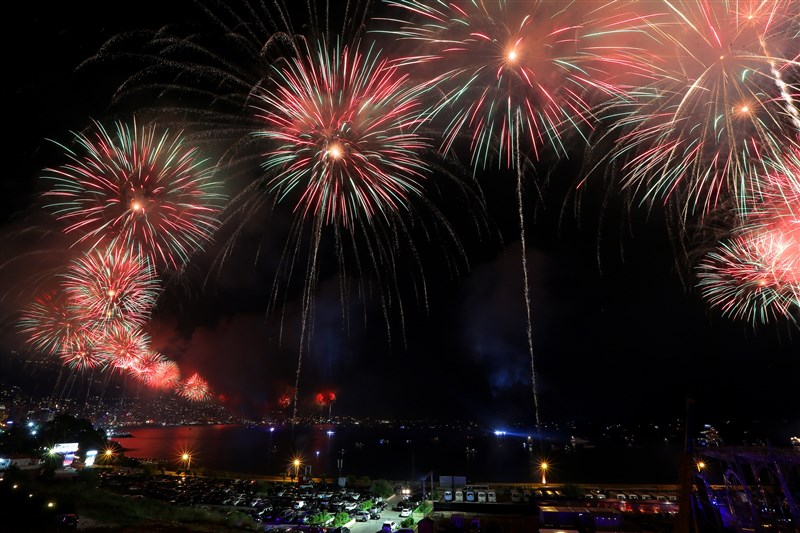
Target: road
371 526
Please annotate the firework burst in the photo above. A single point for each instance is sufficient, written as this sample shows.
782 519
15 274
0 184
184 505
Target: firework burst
751 278
512 75
51 323
146 366
112 285
194 388
756 275
720 101
343 122
81 353
123 346
164 375
143 189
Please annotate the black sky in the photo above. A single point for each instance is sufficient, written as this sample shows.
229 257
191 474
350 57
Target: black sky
617 332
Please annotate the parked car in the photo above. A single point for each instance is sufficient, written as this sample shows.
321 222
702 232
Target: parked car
374 514
361 516
406 512
389 526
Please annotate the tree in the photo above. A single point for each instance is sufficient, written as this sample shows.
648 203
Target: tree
341 519
67 428
382 488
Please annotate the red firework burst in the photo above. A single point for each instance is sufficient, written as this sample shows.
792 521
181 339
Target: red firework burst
138 187
112 285
165 375
123 347
50 322
81 353
194 388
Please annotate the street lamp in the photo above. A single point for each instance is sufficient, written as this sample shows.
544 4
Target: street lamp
187 458
296 464
543 466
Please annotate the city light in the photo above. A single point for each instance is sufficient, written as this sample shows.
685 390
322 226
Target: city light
543 466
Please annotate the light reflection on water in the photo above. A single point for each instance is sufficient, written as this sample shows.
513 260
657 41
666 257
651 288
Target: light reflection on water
400 454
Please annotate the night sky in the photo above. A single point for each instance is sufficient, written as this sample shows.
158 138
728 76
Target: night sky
619 332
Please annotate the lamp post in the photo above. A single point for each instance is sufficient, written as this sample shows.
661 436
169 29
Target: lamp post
187 458
296 464
543 466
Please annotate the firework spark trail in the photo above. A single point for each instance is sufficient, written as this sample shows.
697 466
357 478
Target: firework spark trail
529 322
785 90
148 192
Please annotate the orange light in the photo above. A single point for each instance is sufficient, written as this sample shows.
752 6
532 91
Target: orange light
512 55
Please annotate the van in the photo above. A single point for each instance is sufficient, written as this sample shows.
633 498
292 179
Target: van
491 496
481 496
459 495
469 495
448 495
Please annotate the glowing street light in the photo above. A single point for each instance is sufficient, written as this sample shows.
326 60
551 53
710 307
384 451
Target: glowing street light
187 458
296 464
701 465
543 466
108 455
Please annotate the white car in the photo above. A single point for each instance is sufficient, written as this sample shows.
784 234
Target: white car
389 526
405 512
